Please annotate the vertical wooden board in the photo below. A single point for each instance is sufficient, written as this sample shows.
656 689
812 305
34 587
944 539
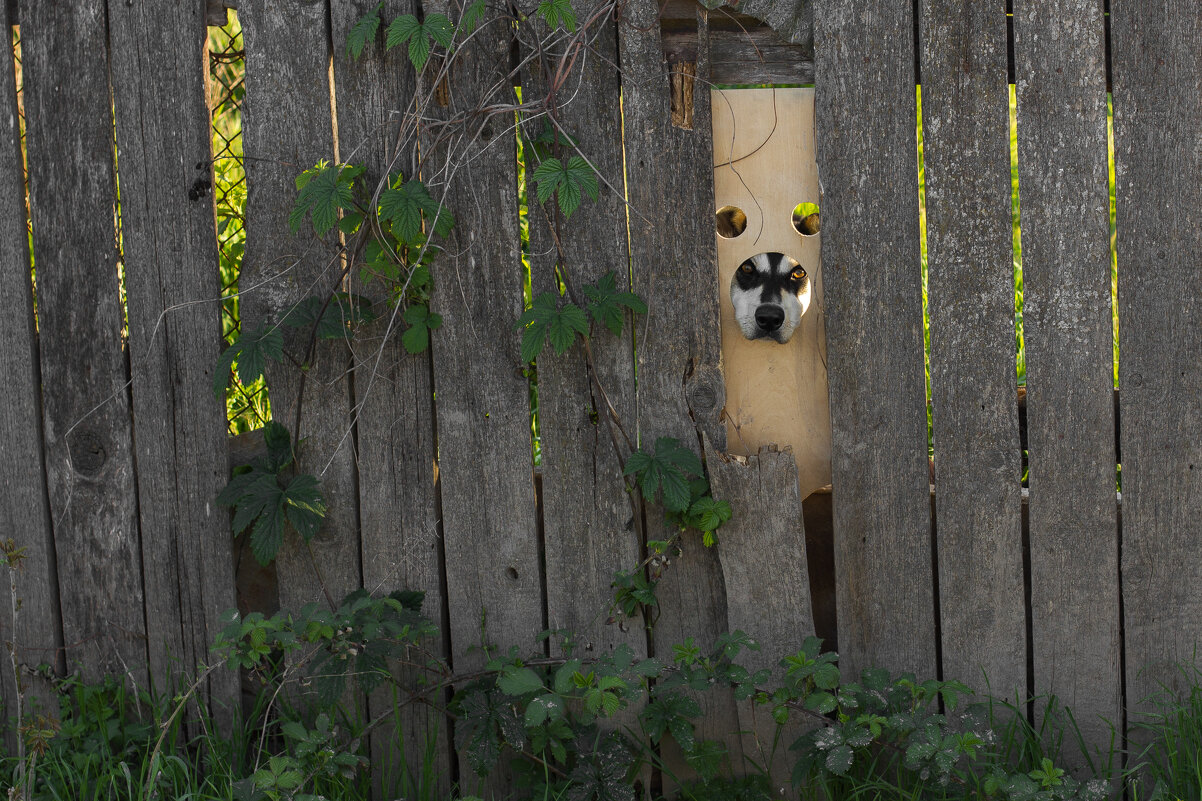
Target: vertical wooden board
870 266
170 247
24 512
490 527
764 165
769 598
1060 68
590 531
287 128
965 102
394 402
85 400
669 172
1157 69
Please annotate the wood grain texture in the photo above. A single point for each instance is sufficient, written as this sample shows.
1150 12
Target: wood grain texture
674 267
870 263
159 65
287 128
1061 84
965 101
763 554
85 400
1157 72
394 412
587 515
755 55
24 510
490 525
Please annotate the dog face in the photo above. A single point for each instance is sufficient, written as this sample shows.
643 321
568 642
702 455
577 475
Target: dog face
770 293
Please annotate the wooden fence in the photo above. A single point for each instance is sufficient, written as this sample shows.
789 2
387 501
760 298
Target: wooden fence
115 447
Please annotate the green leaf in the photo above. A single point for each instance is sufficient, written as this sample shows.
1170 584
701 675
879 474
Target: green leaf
567 180
557 12
401 30
403 207
546 319
667 472
279 446
605 302
439 28
417 336
362 32
406 29
519 681
839 760
472 16
328 188
333 320
251 352
821 702
305 506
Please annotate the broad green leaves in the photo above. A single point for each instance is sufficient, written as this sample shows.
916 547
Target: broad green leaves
605 303
666 472
251 352
403 207
323 191
560 321
547 320
421 322
261 496
419 36
567 180
363 32
558 12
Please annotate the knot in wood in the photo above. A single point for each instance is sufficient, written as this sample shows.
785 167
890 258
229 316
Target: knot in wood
87 452
705 393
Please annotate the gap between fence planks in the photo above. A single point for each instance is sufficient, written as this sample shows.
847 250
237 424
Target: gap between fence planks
88 441
36 634
394 405
1157 68
1060 74
870 257
165 161
971 303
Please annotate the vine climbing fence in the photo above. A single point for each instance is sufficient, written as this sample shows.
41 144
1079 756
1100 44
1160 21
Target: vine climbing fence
153 163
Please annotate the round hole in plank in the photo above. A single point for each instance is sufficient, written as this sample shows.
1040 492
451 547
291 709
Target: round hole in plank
730 221
805 219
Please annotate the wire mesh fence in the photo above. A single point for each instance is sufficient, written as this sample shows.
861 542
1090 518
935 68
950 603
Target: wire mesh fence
247 406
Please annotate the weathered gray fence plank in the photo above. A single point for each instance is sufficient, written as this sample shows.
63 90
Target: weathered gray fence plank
587 514
674 266
1157 72
85 400
1061 85
24 511
394 410
763 554
287 128
489 513
170 248
971 303
870 265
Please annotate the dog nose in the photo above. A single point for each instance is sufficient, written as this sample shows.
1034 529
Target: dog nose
769 318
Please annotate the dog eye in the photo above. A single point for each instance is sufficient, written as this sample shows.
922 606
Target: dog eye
746 268
798 274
